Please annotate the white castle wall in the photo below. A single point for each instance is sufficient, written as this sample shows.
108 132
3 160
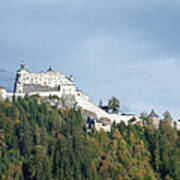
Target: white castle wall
3 93
100 126
118 118
9 96
101 114
87 105
51 79
178 125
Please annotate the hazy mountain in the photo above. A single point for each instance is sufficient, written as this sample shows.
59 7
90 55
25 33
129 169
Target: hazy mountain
7 79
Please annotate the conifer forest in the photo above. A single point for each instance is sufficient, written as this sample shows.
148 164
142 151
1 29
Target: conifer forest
43 142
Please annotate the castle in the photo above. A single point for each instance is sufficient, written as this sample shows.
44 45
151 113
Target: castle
52 83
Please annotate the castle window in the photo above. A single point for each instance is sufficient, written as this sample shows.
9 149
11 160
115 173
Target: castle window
59 88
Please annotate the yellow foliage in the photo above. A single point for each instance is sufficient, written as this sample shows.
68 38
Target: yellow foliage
17 121
143 130
115 143
93 167
141 142
117 134
132 136
67 111
104 166
139 123
96 143
59 136
3 177
61 108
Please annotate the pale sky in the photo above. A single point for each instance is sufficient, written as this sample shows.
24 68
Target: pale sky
129 49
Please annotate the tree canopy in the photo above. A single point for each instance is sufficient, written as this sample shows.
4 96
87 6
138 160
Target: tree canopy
114 105
39 141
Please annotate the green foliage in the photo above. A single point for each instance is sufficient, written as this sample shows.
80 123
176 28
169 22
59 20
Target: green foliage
39 141
114 105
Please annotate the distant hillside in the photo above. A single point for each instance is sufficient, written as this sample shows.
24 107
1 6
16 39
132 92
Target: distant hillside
7 79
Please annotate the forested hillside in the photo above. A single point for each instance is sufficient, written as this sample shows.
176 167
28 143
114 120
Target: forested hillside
43 142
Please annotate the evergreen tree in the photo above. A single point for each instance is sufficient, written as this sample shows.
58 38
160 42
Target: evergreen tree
114 105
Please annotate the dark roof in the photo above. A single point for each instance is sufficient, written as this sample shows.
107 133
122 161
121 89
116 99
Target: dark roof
22 67
50 69
124 114
104 107
153 114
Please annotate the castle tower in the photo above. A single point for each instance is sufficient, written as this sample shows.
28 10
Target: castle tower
155 118
50 69
22 68
18 87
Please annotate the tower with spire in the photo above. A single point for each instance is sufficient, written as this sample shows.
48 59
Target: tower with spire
18 87
154 117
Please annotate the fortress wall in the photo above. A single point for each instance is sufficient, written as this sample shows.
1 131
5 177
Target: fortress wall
47 94
50 79
118 118
45 79
87 105
3 93
100 126
178 125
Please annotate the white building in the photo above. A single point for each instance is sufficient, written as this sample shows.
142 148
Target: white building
27 82
3 93
56 84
